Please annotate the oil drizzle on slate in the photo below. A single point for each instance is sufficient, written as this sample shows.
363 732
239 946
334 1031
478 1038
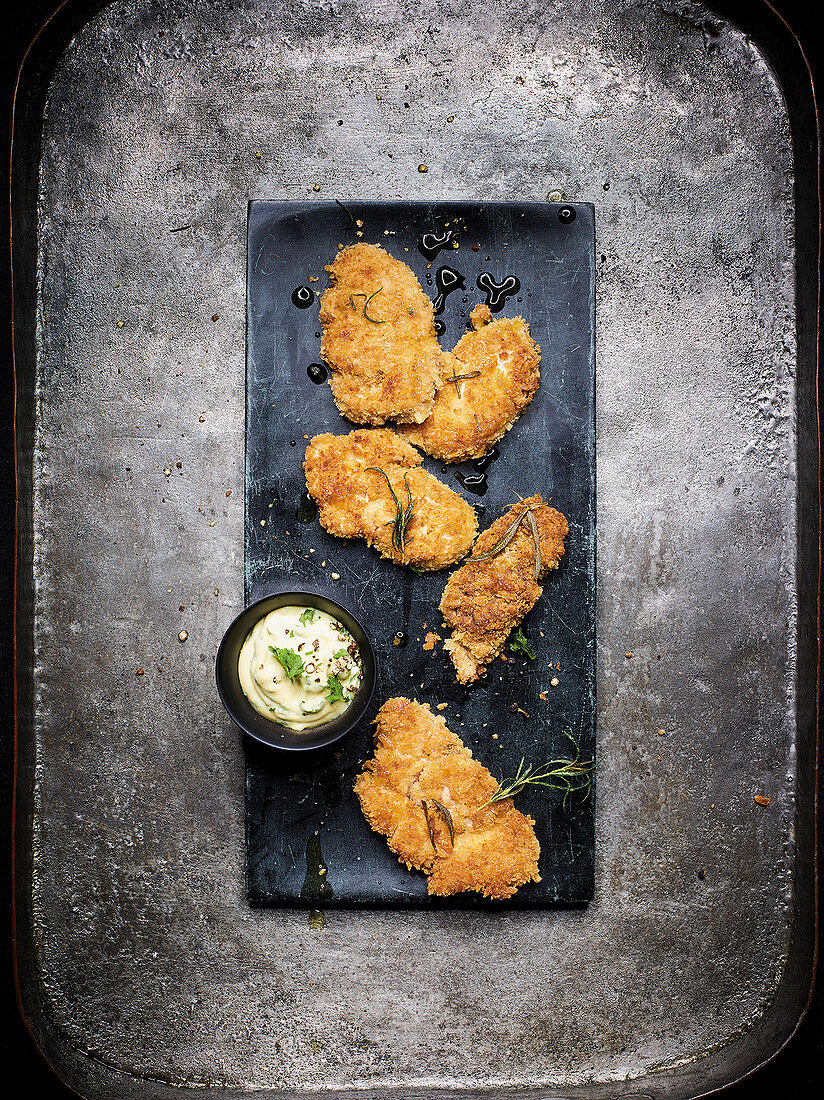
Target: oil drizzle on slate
497 293
431 244
317 373
446 280
476 483
440 327
473 483
302 297
307 509
480 465
315 884
400 639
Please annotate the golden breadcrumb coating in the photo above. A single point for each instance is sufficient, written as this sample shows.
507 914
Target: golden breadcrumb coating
471 414
388 367
484 600
425 793
356 502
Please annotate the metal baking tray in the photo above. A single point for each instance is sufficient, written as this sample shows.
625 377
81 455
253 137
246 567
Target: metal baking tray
141 131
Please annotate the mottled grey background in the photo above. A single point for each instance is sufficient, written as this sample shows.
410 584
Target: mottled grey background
152 967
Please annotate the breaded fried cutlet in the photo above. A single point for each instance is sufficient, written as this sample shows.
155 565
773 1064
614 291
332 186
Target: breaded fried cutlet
491 592
425 523
423 790
494 379
379 338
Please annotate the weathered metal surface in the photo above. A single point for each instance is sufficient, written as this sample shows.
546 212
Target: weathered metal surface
149 966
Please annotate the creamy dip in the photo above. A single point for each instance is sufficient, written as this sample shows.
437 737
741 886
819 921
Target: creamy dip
300 667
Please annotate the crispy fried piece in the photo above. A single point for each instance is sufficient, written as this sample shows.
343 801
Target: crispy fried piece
471 413
424 792
379 338
356 502
484 600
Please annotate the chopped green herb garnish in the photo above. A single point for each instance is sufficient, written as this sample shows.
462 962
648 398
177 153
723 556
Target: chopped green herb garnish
518 644
335 689
340 653
416 569
292 662
307 615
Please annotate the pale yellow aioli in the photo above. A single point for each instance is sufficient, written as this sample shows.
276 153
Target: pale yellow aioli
324 661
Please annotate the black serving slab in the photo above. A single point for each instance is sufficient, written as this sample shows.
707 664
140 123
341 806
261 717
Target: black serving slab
307 841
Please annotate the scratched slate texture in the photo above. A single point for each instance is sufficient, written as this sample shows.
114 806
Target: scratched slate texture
307 841
149 971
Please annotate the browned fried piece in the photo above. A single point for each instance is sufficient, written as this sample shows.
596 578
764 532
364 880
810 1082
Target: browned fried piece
494 378
425 793
484 600
356 502
379 338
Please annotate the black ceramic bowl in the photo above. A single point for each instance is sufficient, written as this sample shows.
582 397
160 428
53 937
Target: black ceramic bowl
267 730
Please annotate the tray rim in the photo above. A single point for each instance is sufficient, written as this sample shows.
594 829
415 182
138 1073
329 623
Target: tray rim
792 68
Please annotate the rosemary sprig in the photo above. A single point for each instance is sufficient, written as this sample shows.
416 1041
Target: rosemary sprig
368 299
570 776
509 535
402 515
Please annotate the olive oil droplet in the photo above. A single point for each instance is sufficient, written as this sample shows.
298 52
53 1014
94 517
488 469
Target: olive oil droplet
302 297
446 280
307 509
497 293
431 244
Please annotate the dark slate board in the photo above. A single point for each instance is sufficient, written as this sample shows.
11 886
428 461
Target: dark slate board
301 813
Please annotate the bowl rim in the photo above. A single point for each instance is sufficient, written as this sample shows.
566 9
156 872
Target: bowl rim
283 738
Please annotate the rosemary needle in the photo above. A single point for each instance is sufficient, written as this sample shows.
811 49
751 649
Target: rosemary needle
368 298
343 206
402 515
447 818
366 303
